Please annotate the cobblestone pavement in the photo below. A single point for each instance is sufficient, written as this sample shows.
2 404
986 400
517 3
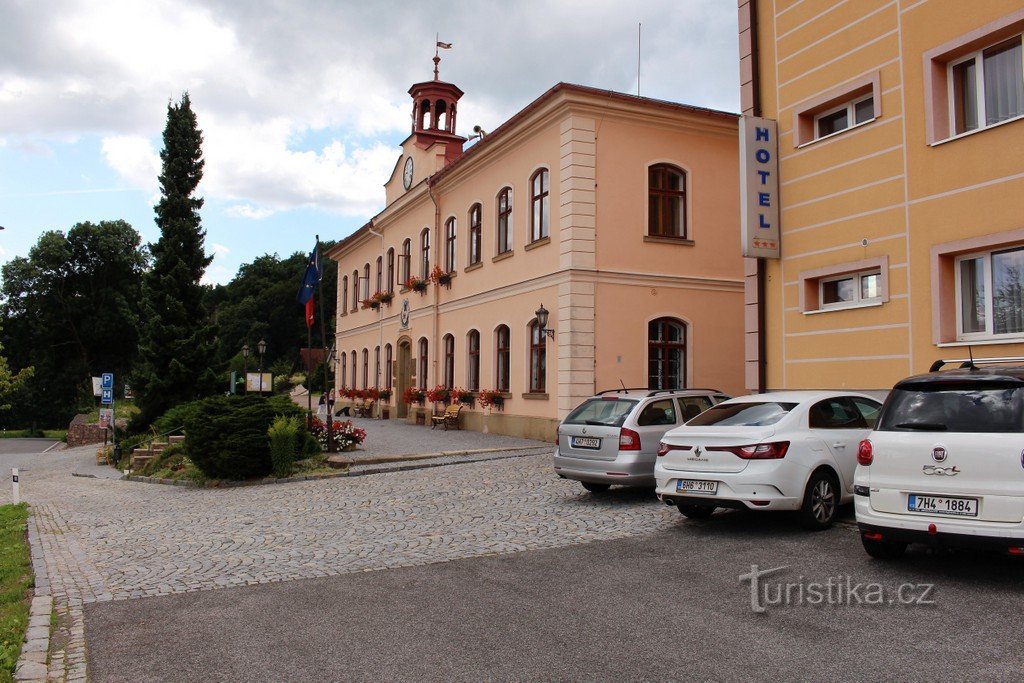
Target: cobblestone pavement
105 539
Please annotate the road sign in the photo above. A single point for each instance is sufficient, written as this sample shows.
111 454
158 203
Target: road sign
108 397
107 381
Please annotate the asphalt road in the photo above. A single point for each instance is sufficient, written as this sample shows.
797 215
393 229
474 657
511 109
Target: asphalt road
25 446
666 606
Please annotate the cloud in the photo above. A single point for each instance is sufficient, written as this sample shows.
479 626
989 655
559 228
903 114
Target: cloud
219 250
134 159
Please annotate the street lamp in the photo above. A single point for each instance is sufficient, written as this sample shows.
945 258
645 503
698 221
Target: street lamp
245 366
261 346
542 321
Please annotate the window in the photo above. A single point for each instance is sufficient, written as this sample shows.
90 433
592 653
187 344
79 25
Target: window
502 343
836 413
475 234
406 261
423 362
847 115
366 281
391 271
693 406
376 366
344 293
666 201
449 361
449 245
987 86
343 366
473 369
425 253
388 359
366 367
539 204
380 275
666 354
966 406
355 363
505 220
657 413
851 289
990 294
355 298
608 412
538 359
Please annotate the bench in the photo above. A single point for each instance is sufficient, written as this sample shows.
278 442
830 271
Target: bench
449 418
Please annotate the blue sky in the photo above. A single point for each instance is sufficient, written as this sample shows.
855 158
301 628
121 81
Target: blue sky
302 104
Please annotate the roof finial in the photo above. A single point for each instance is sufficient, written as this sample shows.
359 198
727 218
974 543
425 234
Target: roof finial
437 57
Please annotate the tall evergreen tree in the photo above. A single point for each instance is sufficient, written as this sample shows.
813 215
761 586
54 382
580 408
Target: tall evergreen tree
178 340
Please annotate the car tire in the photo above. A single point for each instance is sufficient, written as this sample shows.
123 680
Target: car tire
695 511
595 488
821 502
883 550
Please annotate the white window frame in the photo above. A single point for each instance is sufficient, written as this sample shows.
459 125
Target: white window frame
858 300
851 112
979 91
989 309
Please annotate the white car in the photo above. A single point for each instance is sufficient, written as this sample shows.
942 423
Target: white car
944 465
787 450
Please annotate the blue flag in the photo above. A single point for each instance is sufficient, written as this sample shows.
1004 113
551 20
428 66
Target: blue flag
312 277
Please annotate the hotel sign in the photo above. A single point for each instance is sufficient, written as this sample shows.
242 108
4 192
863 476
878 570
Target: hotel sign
759 187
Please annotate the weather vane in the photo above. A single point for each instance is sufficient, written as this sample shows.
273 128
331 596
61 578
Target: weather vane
437 57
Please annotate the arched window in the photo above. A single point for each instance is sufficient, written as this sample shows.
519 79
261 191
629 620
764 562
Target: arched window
666 354
406 263
423 362
449 245
380 275
449 361
505 220
388 357
355 363
344 293
502 366
666 201
425 121
391 270
538 359
366 367
355 301
425 253
440 114
475 234
376 366
473 361
540 211
366 281
343 366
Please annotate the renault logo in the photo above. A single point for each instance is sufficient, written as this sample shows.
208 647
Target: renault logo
941 471
697 451
939 454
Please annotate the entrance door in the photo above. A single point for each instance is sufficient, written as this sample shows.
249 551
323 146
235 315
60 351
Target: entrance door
404 379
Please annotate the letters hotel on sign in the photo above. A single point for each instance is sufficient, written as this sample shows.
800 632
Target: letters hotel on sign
759 187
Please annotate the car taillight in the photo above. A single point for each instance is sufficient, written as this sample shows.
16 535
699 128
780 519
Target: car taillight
865 454
664 448
757 451
628 440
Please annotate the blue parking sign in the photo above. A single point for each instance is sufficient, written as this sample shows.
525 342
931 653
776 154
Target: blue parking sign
107 396
107 380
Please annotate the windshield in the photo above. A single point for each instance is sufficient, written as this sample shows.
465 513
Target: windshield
742 415
955 407
599 411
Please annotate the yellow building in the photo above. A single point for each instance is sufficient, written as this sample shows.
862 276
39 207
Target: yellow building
615 213
901 187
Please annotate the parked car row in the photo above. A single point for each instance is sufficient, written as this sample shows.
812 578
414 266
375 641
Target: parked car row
941 462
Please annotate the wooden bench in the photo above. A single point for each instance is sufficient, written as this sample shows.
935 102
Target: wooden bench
449 418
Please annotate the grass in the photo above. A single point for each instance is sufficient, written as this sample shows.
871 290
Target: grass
56 434
16 583
123 409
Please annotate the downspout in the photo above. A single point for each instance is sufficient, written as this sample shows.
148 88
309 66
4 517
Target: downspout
437 287
380 310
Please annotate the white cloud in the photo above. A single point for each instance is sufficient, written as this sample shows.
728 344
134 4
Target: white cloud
3 252
134 159
219 250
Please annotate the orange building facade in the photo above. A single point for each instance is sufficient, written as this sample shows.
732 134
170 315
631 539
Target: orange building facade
617 214
901 187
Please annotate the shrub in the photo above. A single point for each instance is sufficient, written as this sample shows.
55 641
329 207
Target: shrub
283 444
170 457
226 437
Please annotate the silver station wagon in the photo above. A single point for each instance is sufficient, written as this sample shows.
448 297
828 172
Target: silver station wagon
613 437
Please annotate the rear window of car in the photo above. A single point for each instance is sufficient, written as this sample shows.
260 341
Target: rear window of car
599 411
742 414
954 407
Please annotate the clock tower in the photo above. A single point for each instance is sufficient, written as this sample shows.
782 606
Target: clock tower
434 111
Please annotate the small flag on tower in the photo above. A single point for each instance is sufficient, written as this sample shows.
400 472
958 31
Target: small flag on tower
444 46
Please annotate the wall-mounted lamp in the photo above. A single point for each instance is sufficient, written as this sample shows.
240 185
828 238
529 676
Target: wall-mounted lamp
542 321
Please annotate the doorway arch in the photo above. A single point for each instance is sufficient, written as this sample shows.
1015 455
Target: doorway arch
403 375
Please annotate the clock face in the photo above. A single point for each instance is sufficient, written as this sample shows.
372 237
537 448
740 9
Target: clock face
407 174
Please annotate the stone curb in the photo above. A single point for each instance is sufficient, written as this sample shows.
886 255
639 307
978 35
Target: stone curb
417 463
32 661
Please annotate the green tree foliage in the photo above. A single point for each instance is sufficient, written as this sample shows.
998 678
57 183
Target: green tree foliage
69 311
10 383
226 438
177 345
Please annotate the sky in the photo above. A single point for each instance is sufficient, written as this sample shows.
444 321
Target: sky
303 104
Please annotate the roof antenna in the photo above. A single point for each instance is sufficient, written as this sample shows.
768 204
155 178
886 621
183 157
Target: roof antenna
623 385
970 354
637 63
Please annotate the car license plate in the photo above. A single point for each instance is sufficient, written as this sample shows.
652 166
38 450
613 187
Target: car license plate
584 442
941 505
697 486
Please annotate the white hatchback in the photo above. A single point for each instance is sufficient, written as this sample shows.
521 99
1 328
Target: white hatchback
789 450
945 464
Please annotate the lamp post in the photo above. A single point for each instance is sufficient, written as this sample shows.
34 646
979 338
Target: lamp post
329 363
245 366
261 346
542 321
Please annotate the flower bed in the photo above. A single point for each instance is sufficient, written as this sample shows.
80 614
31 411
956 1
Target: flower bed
345 434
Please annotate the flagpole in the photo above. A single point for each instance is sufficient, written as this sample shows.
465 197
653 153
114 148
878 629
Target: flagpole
331 448
309 372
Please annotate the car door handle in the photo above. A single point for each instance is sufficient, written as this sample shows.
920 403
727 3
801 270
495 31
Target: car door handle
839 444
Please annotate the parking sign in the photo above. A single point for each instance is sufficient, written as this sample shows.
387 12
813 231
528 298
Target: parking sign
107 380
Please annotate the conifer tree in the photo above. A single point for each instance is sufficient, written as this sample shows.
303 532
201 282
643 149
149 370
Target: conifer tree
177 340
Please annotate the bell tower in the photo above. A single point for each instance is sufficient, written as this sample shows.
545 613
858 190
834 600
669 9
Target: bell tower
434 112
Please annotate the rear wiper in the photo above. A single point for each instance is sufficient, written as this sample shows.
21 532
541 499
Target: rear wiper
925 426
